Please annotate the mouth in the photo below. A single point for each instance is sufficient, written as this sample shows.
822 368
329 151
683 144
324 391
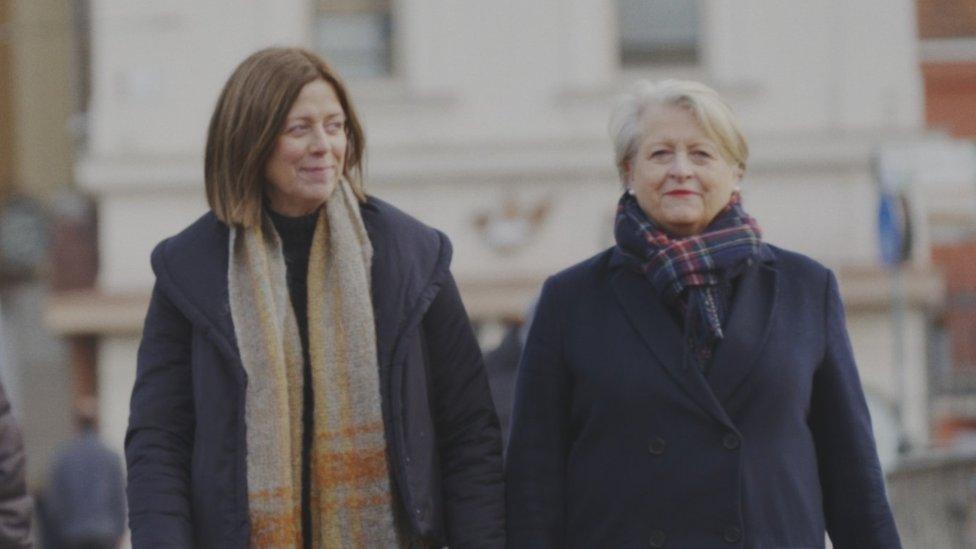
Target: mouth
318 172
681 193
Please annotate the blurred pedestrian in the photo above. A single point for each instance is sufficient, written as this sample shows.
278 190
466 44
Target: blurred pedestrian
692 386
84 500
15 504
308 376
501 364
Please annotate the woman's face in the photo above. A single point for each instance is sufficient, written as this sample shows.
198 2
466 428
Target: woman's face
678 175
310 152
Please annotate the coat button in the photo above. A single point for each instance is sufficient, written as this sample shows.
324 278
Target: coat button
656 539
731 441
732 534
656 446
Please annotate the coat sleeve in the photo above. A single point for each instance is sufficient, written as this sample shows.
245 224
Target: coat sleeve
159 439
469 438
539 440
855 504
15 504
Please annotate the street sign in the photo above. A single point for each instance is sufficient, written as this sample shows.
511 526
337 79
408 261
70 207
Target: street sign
893 229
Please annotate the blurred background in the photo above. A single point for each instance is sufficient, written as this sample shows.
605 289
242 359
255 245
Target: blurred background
487 120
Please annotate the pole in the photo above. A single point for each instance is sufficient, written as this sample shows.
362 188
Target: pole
898 313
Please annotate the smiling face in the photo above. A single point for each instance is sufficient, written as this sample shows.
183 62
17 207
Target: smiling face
308 157
678 174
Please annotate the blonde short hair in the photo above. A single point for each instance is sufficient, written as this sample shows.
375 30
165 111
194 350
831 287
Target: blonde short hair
704 103
247 121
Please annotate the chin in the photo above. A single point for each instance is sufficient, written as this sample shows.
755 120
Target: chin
683 219
320 191
682 226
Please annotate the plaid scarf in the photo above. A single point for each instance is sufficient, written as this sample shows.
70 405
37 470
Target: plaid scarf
702 264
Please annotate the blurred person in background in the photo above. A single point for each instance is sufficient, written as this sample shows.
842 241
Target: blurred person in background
501 364
15 503
692 386
84 500
307 376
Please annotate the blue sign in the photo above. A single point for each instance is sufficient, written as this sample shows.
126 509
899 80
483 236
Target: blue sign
893 229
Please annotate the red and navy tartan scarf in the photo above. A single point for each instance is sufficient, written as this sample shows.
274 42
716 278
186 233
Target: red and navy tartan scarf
692 273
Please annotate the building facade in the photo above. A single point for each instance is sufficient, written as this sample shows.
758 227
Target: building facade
488 121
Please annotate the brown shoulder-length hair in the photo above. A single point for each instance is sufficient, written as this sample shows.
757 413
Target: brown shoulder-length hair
247 121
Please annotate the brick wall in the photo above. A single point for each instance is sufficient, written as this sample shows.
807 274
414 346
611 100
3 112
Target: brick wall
950 96
950 81
946 18
958 262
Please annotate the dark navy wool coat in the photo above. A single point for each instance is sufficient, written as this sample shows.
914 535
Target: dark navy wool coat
616 444
186 443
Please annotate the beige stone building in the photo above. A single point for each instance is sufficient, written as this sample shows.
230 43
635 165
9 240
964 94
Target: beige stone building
487 120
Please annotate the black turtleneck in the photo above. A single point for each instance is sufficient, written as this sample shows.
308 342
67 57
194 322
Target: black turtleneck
296 239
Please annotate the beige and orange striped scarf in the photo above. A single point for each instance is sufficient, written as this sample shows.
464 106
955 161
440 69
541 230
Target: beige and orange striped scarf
350 497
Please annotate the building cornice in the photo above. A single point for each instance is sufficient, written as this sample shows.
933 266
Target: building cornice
863 289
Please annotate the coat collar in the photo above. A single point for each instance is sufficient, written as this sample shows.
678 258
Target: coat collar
193 267
384 296
748 324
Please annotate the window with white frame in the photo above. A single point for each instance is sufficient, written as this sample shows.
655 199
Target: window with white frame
355 36
658 31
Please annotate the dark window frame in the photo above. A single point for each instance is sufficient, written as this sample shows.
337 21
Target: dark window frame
657 47
349 59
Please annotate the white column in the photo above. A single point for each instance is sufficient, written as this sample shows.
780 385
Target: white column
587 43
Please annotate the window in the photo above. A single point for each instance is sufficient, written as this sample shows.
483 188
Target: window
354 36
658 31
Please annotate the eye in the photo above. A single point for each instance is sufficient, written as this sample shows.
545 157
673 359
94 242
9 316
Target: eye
333 128
297 129
701 154
659 153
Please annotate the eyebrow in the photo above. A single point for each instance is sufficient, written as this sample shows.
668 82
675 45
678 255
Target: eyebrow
329 116
670 142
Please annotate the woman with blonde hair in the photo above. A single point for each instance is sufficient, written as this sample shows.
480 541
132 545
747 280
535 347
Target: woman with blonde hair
308 376
691 386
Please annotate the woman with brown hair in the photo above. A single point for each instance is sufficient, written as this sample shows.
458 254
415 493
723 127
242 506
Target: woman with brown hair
307 375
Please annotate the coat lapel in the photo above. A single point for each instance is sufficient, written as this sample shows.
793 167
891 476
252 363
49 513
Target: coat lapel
384 296
648 316
192 266
746 330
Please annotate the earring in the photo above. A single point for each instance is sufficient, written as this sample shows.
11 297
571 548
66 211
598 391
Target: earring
630 191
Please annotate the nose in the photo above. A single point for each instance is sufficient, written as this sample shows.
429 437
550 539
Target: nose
320 141
680 167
